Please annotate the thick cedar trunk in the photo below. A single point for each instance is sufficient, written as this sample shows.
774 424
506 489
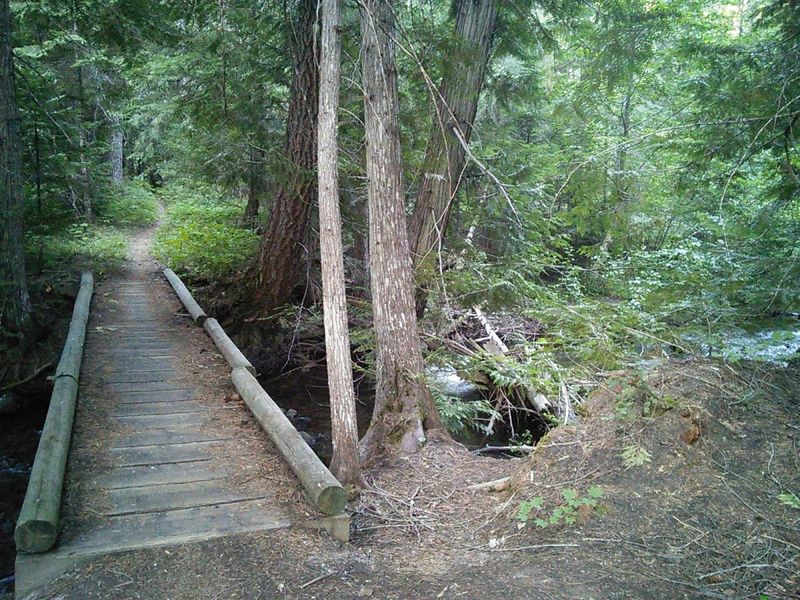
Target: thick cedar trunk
282 256
15 304
445 159
344 429
403 403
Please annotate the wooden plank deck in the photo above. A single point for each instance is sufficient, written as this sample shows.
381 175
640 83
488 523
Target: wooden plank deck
150 463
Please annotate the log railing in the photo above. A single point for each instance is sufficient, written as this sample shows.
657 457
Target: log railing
322 488
38 523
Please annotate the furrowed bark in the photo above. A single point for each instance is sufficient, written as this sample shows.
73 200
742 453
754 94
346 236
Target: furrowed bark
456 107
116 152
15 304
345 463
282 257
403 402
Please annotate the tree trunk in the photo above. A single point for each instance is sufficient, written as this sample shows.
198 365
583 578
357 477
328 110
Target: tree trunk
282 255
456 108
37 159
84 181
15 304
620 192
116 153
345 463
403 402
253 186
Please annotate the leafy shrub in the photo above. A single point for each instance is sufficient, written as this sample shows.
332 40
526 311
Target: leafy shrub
131 204
96 247
567 512
458 415
201 236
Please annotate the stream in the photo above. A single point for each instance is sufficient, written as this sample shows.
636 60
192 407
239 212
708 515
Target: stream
21 431
776 341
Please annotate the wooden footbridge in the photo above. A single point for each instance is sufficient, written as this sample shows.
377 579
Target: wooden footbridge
157 456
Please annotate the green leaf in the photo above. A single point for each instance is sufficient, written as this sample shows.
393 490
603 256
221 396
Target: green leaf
595 491
569 494
790 500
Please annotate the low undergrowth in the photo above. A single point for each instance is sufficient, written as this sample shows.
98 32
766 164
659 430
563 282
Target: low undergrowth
202 235
98 248
60 242
131 204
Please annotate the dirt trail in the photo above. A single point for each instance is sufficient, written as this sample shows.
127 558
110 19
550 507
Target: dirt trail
701 517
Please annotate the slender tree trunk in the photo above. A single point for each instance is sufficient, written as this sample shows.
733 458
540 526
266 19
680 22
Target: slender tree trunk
84 181
282 256
620 191
116 154
345 463
223 54
15 304
37 159
253 186
444 163
403 403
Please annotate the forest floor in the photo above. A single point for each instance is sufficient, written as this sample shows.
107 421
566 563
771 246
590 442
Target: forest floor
690 458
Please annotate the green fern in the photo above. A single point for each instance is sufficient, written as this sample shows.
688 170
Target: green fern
635 456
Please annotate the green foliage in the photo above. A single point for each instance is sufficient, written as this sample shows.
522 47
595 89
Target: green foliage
201 236
459 415
131 204
566 513
791 500
98 248
635 456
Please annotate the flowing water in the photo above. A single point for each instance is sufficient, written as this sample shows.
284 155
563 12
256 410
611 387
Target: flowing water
776 341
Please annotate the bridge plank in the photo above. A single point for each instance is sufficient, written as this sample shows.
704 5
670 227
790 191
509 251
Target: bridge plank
148 376
159 437
121 477
143 394
123 388
166 454
156 408
172 421
173 496
122 365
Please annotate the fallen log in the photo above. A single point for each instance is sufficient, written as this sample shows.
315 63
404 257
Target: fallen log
198 314
25 380
497 346
38 523
323 489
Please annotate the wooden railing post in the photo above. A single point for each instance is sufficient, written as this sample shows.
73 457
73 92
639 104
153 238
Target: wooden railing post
38 523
